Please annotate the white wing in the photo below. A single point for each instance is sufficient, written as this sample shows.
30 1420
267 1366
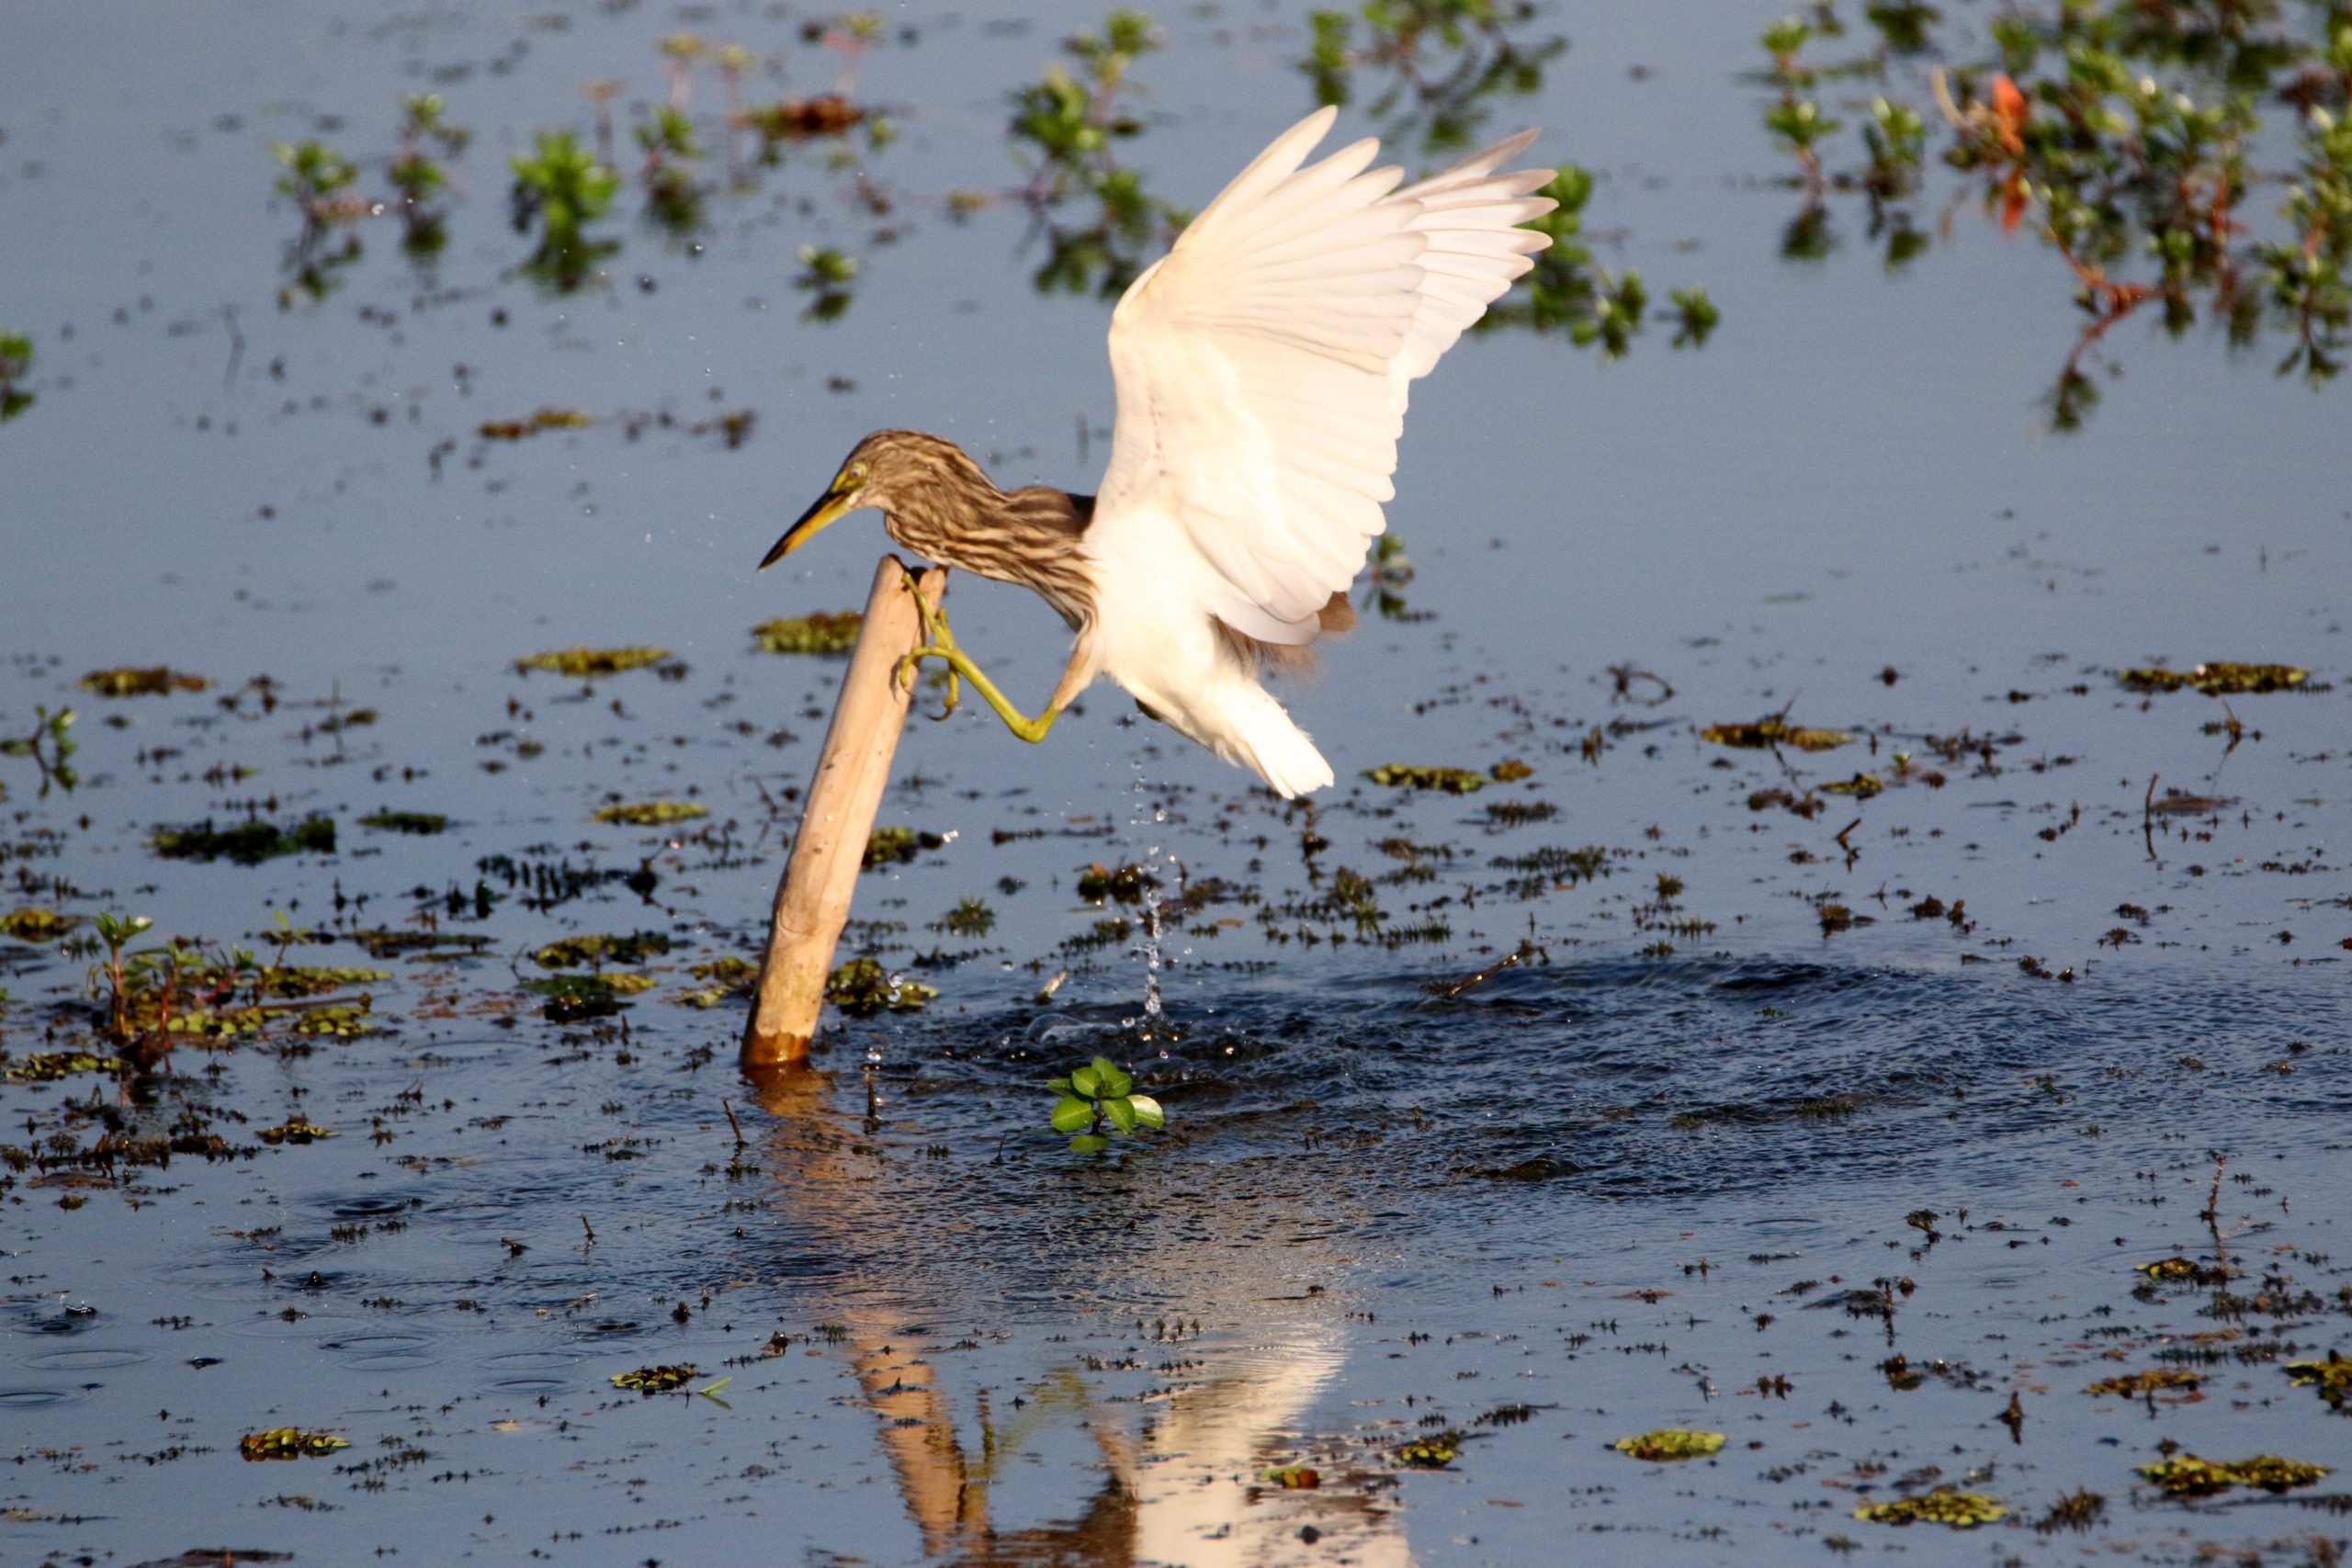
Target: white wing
1262 364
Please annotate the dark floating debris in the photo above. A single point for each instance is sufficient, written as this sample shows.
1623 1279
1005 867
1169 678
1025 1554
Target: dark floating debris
546 419
421 823
248 843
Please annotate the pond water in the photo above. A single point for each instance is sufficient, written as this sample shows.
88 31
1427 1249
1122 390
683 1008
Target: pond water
1860 1106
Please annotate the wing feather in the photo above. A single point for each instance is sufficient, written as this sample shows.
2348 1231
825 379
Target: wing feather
1262 364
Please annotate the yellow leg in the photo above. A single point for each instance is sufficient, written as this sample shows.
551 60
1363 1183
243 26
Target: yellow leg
943 647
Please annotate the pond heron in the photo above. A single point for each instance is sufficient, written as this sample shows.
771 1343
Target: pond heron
1262 367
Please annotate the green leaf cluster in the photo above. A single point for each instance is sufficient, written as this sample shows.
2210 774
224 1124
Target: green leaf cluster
1098 1103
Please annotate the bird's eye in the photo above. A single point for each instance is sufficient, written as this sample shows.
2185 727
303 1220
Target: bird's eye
857 473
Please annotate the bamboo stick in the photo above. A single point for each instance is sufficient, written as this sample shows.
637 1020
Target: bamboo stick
813 897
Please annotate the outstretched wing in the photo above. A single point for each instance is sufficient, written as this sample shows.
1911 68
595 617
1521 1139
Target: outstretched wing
1262 364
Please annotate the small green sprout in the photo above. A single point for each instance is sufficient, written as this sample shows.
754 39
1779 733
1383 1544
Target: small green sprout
1097 1103
16 364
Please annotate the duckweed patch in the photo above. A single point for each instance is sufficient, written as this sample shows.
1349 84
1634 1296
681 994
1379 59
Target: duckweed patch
2187 1475
863 988
1417 775
657 1380
247 843
48 1067
33 923
1944 1505
2219 678
1434 1452
1669 1445
651 813
2332 1378
583 663
582 952
1765 734
288 1442
149 681
824 633
2137 1385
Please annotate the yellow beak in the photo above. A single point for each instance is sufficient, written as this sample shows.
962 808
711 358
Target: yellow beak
840 499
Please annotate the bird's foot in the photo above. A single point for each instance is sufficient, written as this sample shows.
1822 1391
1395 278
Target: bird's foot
941 646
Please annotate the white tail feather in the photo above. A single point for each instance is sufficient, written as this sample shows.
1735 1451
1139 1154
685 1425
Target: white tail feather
1260 735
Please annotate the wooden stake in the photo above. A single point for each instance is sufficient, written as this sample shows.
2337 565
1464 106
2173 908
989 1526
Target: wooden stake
812 898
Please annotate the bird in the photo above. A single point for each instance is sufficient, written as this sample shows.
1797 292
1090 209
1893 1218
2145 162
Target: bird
1262 367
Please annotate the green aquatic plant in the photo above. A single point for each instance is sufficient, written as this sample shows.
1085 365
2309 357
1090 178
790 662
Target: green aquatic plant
821 632
1436 1451
562 186
2187 1475
416 823
288 1442
142 681
2332 1378
1669 1444
1098 1103
16 364
1440 63
1772 733
1944 1505
583 663
1422 775
825 275
1066 127
2221 678
32 923
586 952
51 745
2142 1384
247 843
863 988
2125 135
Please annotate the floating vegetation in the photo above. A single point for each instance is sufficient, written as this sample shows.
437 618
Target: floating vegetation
288 1442
650 813
1098 1103
1862 786
2136 1385
1433 1452
383 943
572 998
657 1380
48 1067
2332 1378
861 987
1126 884
422 823
826 632
891 846
33 923
2186 1475
1774 732
545 419
1669 1444
293 1131
344 1021
2219 678
577 951
16 363
2180 1268
1293 1477
151 681
1415 775
799 119
2075 1511
247 843
970 917
1944 1505
587 662
1511 771
724 976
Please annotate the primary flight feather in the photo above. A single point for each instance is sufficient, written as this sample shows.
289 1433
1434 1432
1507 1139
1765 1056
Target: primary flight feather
1262 368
